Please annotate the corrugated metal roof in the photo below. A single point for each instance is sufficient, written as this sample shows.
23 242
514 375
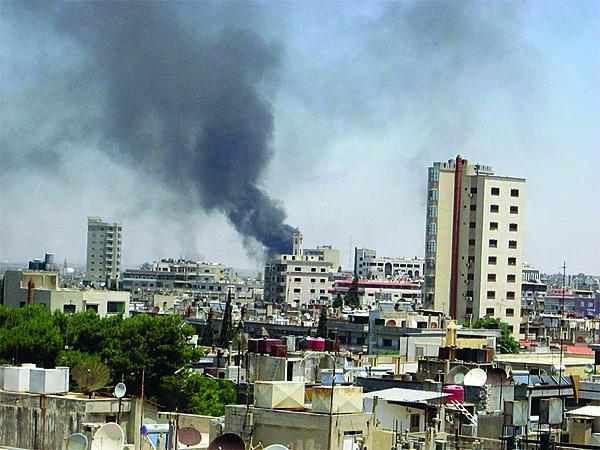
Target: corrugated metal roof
405 395
586 411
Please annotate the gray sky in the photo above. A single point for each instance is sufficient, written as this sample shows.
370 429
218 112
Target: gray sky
353 101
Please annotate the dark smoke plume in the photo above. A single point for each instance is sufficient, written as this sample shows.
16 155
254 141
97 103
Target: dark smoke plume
178 98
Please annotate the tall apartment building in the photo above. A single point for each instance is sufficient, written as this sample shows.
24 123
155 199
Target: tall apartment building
103 263
473 242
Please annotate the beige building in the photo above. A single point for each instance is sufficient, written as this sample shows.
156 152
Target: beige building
474 242
103 262
368 265
302 281
42 288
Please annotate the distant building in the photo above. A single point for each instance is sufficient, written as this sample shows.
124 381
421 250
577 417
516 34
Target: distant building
474 242
302 279
103 262
368 265
372 292
42 288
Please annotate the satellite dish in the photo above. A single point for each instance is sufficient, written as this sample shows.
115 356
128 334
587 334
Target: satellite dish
120 390
277 447
189 436
456 375
475 377
227 441
77 441
109 436
90 376
589 368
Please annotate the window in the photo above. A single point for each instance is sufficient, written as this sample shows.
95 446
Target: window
494 208
433 194
510 295
313 269
493 226
296 290
312 291
492 259
387 342
514 192
69 309
470 276
491 277
297 280
489 312
495 191
493 243
491 294
92 308
434 174
472 225
473 190
469 310
115 307
511 278
471 241
510 312
298 269
415 421
322 269
512 244
322 280
432 212
430 263
514 210
430 247
473 207
512 261
313 280
431 229
513 227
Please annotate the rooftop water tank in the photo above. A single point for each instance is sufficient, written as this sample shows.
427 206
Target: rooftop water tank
457 394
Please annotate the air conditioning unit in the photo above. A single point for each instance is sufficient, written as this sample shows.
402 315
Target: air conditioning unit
469 299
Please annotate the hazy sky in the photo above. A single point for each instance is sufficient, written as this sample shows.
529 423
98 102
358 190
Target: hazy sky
105 109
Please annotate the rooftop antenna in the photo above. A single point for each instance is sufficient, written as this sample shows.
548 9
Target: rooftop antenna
560 364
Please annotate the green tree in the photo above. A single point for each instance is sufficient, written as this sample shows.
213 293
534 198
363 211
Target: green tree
506 342
226 333
338 302
29 335
322 325
197 394
352 298
208 333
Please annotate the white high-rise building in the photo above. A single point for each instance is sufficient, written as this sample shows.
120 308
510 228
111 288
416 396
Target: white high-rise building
103 263
474 242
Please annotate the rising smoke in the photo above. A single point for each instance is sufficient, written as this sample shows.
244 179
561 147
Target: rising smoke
186 102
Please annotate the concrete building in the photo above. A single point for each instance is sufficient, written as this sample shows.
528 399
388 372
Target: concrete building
42 288
368 265
325 253
474 242
103 262
301 280
372 292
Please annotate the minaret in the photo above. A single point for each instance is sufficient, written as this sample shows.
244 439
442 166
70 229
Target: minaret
298 249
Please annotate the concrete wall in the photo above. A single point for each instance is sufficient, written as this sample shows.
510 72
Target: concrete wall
44 422
297 430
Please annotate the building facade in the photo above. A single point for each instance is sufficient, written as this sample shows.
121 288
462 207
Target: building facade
368 265
474 242
103 262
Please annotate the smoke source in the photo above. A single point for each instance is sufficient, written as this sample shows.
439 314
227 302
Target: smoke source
179 98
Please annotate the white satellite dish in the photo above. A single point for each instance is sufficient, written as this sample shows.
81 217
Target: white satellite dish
120 390
109 436
77 441
475 377
277 447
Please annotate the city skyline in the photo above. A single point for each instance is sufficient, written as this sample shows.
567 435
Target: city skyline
350 87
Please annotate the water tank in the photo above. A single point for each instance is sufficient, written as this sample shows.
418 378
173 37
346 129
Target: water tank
49 258
318 345
457 393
